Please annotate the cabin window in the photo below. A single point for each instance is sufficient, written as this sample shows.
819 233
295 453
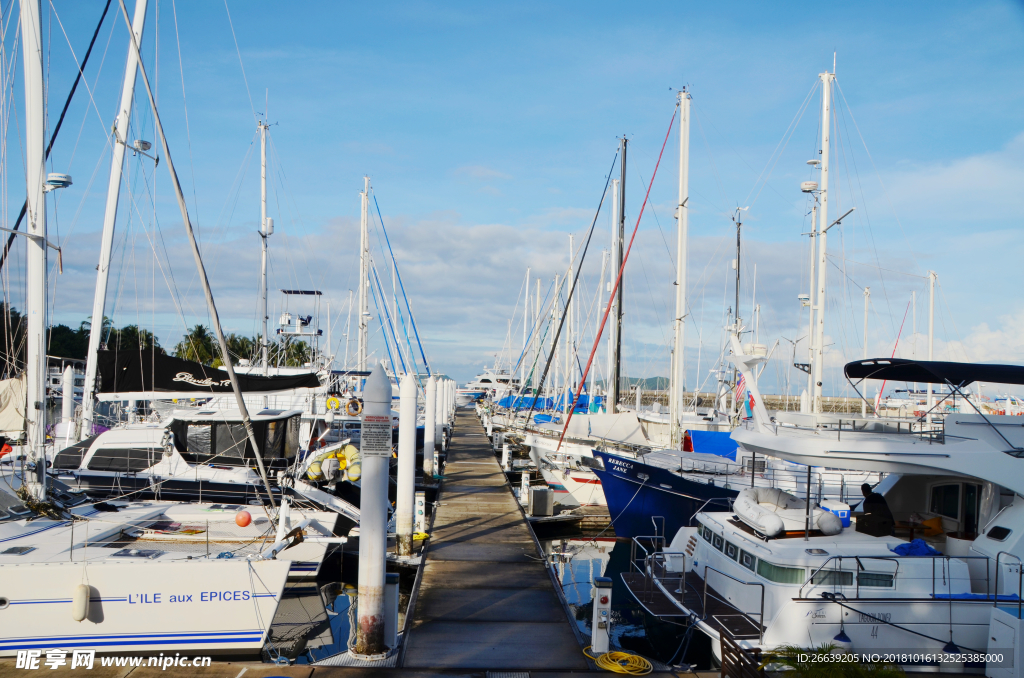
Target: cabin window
71 457
717 541
291 443
273 445
485 381
832 578
997 533
748 561
780 574
876 579
732 550
946 500
231 442
705 532
123 460
199 439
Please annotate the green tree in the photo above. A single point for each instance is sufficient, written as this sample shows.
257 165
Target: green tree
198 345
242 348
291 353
12 340
132 338
68 343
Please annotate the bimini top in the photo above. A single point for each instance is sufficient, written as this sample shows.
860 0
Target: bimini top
934 372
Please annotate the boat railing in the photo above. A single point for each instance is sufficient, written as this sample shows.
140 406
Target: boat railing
943 574
722 501
760 617
643 562
932 432
1020 581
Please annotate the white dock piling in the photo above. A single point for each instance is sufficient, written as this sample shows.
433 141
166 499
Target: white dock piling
429 415
375 450
439 416
408 407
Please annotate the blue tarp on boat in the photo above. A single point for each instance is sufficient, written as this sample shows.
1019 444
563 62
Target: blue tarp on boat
714 442
918 547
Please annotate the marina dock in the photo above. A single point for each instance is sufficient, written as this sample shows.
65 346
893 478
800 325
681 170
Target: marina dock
485 599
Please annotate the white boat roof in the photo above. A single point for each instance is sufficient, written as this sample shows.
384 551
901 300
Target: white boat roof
794 550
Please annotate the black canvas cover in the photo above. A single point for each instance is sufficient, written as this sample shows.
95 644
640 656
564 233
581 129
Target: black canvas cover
934 372
134 371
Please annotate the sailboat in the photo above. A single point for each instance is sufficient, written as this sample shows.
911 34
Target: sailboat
66 580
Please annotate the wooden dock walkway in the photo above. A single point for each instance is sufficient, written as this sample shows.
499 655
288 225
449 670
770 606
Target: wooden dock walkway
485 598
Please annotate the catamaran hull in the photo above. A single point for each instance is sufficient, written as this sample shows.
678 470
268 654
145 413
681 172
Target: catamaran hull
209 607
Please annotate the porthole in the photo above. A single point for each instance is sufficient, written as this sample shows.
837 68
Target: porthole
4 602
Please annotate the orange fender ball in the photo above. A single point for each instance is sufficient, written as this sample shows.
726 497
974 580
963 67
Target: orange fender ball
243 518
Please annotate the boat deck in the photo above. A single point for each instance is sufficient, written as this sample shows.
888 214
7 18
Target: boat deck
485 599
690 591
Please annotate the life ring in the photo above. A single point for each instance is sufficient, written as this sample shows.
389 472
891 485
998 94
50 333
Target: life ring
334 403
353 408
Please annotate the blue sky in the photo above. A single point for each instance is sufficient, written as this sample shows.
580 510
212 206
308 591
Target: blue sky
487 131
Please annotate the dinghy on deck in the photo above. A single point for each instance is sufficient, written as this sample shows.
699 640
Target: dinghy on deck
773 512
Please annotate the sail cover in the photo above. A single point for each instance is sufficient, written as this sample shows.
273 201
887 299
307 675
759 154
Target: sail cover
136 371
934 372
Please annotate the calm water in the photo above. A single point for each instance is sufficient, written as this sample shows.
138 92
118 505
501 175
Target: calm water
577 560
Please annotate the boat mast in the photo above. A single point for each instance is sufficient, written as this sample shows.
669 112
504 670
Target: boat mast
819 338
619 242
613 328
567 359
266 229
867 302
124 112
35 269
677 380
738 220
526 322
201 270
364 274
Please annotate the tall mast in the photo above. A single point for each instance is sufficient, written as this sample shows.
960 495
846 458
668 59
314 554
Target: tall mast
536 337
266 228
678 377
364 274
35 270
819 338
867 303
932 275
620 242
613 329
812 284
525 324
204 280
600 294
738 219
117 151
567 361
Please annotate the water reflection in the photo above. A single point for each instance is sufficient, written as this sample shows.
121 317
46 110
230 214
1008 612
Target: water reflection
577 560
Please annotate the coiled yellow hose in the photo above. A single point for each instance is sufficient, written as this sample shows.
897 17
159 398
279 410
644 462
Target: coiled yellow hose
621 662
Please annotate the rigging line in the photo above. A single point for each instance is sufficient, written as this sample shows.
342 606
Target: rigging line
618 279
387 315
778 157
60 121
888 270
877 174
241 65
384 334
188 130
783 142
398 310
401 285
579 268
668 250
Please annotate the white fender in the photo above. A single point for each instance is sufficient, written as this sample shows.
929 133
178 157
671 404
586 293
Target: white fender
80 602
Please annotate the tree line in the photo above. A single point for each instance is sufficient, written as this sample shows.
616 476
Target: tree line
199 344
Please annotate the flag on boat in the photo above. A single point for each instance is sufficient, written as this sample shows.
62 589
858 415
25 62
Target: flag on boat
740 385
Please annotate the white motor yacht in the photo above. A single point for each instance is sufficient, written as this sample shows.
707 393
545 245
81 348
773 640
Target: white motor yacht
943 577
